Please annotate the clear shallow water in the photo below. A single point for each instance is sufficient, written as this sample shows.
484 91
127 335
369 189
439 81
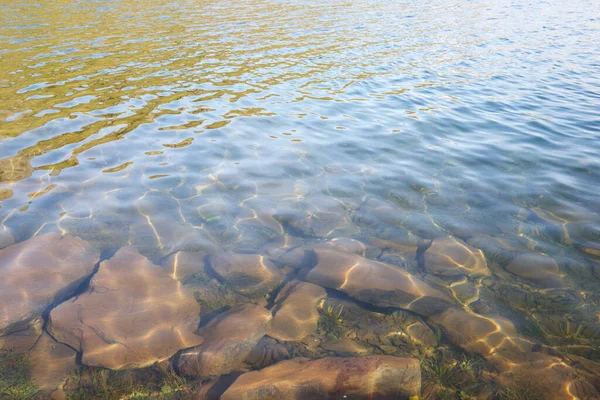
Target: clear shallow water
232 126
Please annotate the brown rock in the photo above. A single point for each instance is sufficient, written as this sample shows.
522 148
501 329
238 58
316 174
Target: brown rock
183 264
451 257
376 377
51 364
132 315
228 341
248 274
537 268
296 258
345 347
377 283
296 314
421 333
267 351
475 333
345 245
23 340
39 272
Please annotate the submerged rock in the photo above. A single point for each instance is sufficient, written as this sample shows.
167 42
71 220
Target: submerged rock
228 339
51 364
267 351
375 377
23 340
184 264
248 274
376 283
6 239
40 272
345 347
475 333
132 315
296 314
537 268
451 257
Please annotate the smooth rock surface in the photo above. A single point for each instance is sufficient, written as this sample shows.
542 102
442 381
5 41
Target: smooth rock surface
345 347
6 238
228 339
295 314
51 364
449 256
132 315
183 264
376 377
377 283
248 274
40 272
537 268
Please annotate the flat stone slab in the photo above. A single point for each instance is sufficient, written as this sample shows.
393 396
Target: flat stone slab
373 282
374 377
133 315
537 268
51 364
248 274
449 256
184 264
228 339
40 272
296 314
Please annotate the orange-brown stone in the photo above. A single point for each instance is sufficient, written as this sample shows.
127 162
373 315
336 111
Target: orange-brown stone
132 315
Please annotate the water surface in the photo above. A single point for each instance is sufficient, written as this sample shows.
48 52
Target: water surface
243 126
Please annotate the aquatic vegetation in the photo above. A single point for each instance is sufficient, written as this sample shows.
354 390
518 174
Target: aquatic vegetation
516 394
157 383
15 377
331 320
448 379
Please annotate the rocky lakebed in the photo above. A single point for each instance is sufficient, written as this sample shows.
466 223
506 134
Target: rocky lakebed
388 315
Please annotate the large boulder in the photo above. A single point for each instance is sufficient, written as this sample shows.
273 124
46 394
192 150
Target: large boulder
40 272
132 315
380 284
451 257
229 338
248 274
296 314
375 377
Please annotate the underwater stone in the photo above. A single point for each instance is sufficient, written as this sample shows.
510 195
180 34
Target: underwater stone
296 314
51 364
6 239
132 315
345 245
451 257
373 282
40 272
183 264
345 347
228 339
537 268
248 274
372 377
421 333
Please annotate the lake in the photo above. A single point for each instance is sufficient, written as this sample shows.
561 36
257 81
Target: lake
300 199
